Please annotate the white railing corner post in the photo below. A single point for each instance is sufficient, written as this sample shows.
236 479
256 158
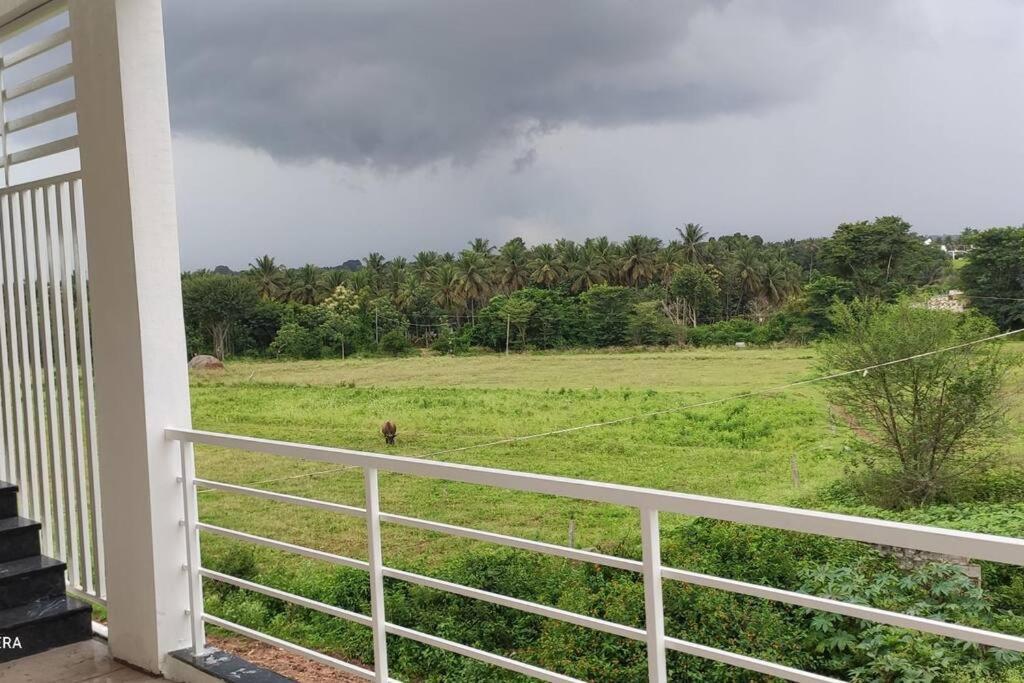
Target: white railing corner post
376 562
657 669
137 327
190 500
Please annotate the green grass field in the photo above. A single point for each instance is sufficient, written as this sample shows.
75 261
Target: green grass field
739 449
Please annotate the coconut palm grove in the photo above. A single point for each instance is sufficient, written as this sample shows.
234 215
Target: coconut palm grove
693 289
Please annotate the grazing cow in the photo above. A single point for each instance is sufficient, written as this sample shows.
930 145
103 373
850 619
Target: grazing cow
390 430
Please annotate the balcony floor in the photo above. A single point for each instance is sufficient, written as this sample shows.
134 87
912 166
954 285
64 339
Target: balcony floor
88 661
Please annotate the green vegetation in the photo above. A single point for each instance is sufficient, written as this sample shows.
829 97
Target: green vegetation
929 425
597 293
994 275
351 334
739 449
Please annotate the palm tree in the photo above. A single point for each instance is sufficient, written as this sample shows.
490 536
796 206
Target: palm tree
404 293
546 269
639 254
359 280
375 263
667 262
605 255
748 271
586 271
270 277
513 265
474 278
481 246
307 286
785 276
334 278
567 251
447 292
395 272
423 266
693 236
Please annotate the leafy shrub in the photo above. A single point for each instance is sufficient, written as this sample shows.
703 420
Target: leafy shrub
866 651
755 554
761 628
394 343
606 311
729 332
452 342
295 341
553 320
648 325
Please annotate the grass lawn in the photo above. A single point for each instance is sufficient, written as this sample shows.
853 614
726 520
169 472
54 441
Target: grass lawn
740 449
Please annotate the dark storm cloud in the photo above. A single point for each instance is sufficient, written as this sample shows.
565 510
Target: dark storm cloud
396 85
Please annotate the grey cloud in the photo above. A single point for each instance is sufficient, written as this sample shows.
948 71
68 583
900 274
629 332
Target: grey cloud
397 85
524 160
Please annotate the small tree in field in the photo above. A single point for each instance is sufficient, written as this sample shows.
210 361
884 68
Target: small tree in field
694 291
929 423
214 303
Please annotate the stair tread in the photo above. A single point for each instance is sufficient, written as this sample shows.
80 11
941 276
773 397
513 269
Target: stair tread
16 523
44 609
28 565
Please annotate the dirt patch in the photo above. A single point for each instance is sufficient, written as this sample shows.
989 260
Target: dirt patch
280 661
851 422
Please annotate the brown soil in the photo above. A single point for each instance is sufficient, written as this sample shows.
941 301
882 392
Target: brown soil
280 661
851 422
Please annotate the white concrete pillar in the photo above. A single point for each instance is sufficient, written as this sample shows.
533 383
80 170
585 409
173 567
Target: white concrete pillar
138 332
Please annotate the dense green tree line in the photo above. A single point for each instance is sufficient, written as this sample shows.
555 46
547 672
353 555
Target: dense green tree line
694 289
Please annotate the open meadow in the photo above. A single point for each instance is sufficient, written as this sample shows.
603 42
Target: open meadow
741 449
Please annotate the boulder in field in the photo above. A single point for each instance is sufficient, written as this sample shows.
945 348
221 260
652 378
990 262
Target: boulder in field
203 362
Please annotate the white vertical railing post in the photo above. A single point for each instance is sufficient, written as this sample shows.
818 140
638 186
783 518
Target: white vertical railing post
195 581
657 670
376 560
139 361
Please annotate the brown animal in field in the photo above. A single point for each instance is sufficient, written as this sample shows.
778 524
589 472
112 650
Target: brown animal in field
390 430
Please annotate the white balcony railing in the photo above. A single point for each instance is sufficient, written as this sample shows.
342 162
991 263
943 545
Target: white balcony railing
649 502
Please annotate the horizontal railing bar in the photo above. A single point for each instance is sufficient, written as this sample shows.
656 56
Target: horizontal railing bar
40 183
480 655
18 20
516 603
42 116
515 542
44 150
282 497
290 647
744 662
288 547
935 627
879 616
308 603
81 594
878 531
51 41
39 82
449 529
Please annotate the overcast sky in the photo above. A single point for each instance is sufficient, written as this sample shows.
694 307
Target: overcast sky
320 130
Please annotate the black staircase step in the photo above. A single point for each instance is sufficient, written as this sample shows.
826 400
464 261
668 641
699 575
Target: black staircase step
43 624
19 537
8 499
29 579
